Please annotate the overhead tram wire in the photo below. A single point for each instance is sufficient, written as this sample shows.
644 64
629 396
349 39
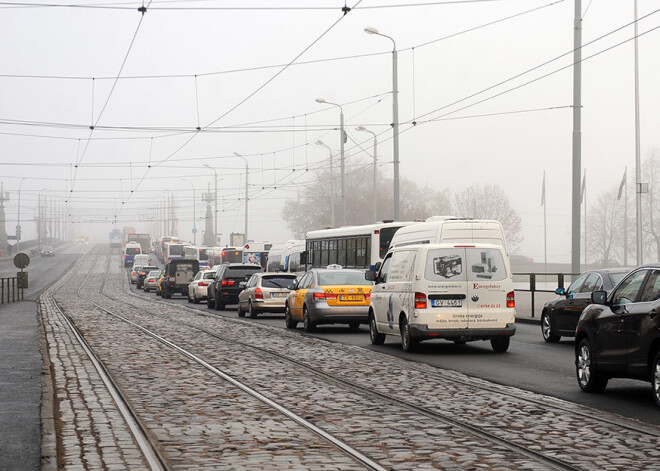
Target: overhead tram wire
256 68
142 10
261 87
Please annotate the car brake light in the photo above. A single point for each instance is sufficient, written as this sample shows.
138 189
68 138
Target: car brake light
227 282
330 295
318 295
510 299
258 294
132 273
420 300
150 280
367 296
202 283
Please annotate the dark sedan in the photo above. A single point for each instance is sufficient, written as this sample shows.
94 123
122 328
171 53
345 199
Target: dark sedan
618 336
560 316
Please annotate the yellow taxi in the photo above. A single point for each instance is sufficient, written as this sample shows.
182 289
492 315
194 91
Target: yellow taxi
332 295
159 284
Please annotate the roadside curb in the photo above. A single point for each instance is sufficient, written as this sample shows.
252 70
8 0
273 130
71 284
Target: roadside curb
48 431
528 320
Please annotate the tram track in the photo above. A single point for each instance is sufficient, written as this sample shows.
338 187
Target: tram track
479 433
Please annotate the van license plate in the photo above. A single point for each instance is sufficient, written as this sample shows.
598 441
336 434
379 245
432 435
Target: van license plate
446 302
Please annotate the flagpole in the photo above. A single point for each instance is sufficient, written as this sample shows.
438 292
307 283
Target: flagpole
625 221
545 230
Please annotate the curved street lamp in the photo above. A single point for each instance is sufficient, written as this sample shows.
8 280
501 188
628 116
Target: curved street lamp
332 183
342 166
395 116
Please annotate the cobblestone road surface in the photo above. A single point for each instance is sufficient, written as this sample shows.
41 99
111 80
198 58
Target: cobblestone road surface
198 420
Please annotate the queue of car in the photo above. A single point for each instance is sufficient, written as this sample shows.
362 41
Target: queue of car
432 283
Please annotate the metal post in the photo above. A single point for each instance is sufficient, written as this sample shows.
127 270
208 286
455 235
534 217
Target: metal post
395 130
332 184
638 164
343 172
577 137
18 224
246 201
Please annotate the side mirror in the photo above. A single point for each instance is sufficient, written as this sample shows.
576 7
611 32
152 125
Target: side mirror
377 266
599 297
560 291
370 275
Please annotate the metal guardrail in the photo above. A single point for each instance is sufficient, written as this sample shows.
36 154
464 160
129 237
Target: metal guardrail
10 290
532 278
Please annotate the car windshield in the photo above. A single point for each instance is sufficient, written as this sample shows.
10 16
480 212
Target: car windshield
277 281
47 247
209 275
616 277
154 274
343 277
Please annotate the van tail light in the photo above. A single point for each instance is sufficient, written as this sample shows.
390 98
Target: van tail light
420 300
510 299
227 282
258 294
202 283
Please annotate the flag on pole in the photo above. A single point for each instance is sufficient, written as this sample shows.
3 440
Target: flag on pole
623 183
543 190
584 185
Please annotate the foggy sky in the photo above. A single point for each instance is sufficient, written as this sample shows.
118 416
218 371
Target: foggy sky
519 131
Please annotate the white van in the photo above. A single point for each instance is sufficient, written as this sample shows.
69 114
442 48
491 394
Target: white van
459 292
141 259
286 257
449 229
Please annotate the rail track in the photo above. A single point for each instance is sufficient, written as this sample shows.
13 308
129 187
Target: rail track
486 435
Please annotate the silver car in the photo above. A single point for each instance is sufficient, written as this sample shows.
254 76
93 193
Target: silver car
265 292
198 287
151 280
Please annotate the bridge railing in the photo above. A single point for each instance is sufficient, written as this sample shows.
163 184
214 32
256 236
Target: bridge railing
540 286
10 290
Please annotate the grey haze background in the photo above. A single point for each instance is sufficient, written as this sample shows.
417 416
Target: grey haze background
511 149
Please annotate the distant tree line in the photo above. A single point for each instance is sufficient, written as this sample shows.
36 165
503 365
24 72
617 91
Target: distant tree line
312 209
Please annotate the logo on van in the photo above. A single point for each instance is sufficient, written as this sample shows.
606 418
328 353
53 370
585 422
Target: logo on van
487 286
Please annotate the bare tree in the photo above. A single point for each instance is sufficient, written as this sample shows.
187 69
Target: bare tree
605 234
312 209
490 202
651 203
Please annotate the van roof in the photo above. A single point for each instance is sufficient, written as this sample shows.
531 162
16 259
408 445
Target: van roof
478 245
451 230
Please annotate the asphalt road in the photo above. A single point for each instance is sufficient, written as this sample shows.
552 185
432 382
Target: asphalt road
530 363
43 271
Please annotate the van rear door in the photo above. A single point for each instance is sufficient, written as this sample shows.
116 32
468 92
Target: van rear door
488 285
446 275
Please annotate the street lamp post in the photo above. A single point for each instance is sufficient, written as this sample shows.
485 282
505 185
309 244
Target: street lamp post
363 129
246 194
332 184
215 219
194 216
342 163
395 116
18 224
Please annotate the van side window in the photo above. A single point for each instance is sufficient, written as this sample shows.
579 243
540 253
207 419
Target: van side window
402 265
485 264
446 264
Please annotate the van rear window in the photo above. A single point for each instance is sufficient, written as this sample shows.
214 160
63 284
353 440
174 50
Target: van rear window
465 264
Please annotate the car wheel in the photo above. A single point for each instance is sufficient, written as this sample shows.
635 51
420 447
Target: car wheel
500 344
195 299
408 342
376 337
241 312
253 312
288 320
656 379
589 379
546 329
189 298
219 305
308 325
209 302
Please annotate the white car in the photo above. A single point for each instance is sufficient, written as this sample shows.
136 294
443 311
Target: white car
198 287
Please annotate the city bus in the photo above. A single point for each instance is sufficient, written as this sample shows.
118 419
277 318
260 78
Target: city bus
351 246
220 255
256 252
201 254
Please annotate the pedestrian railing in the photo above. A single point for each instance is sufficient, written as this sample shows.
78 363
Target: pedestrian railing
541 283
9 290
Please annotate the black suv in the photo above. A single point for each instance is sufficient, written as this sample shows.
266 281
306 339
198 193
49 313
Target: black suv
618 336
142 274
229 281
